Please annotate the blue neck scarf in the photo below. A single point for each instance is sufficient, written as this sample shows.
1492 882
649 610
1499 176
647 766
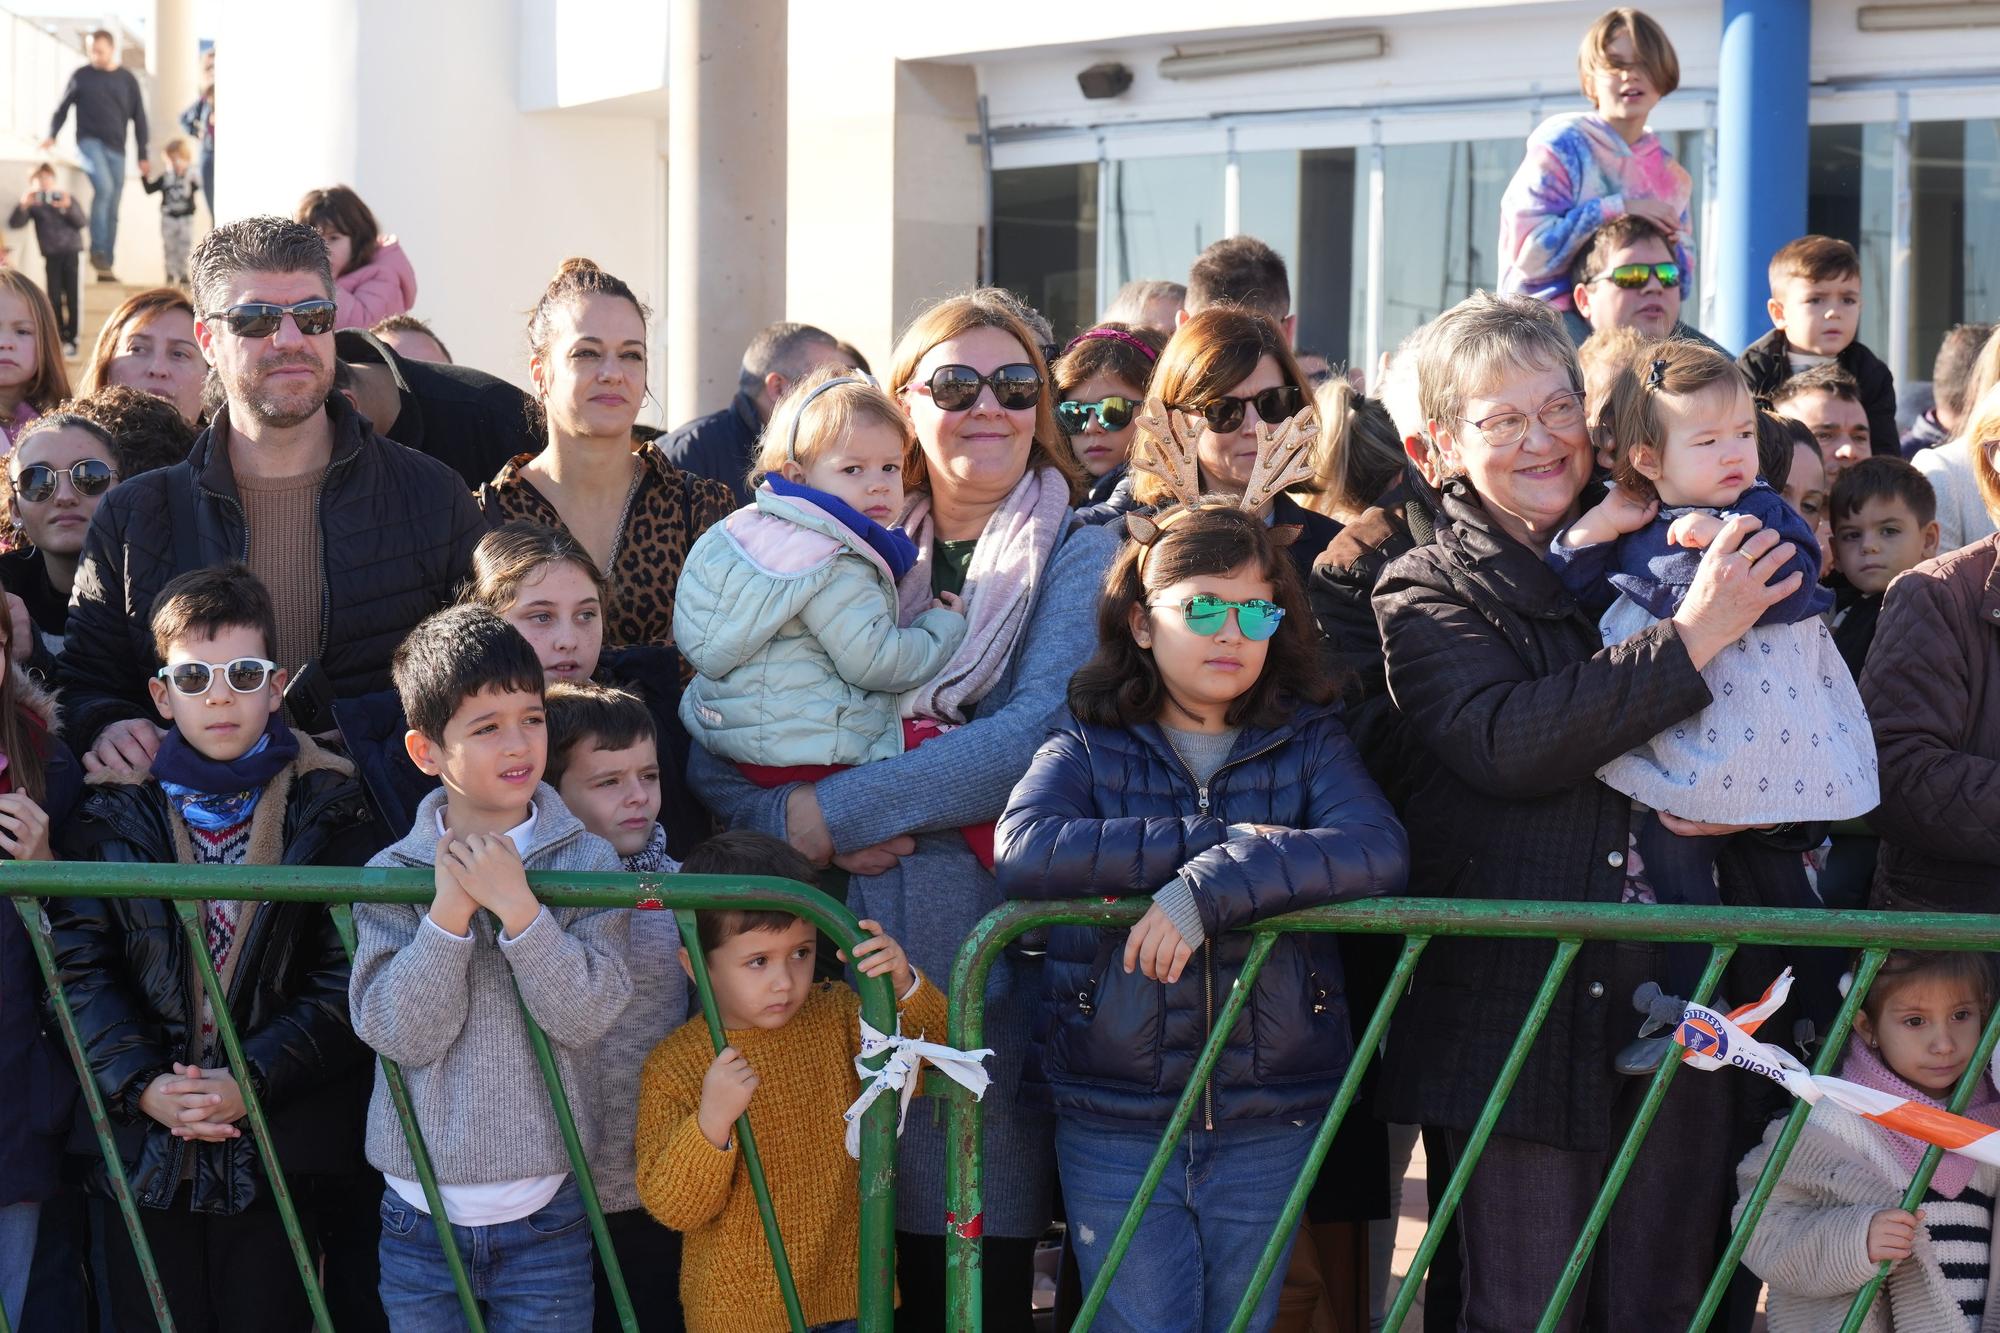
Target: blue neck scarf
210 794
892 544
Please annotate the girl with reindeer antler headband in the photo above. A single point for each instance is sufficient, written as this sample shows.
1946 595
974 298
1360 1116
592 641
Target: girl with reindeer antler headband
1229 414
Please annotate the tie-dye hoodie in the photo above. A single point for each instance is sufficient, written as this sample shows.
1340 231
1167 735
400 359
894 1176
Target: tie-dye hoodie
1576 177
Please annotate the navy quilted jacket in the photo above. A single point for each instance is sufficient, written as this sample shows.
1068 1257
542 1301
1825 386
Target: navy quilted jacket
1108 812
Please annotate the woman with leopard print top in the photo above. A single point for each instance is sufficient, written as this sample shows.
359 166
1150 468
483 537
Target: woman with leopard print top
601 478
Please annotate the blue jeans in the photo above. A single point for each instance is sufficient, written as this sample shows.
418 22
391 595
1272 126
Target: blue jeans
105 166
529 1275
1198 1244
18 1222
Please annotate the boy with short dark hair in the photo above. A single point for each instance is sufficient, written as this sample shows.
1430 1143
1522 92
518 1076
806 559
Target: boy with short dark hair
1884 522
1815 309
790 1059
605 764
58 219
1827 399
232 784
442 991
1951 388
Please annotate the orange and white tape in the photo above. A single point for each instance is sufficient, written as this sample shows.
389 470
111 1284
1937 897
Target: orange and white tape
1714 1040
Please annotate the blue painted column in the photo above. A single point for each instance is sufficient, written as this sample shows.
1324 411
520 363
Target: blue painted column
1761 143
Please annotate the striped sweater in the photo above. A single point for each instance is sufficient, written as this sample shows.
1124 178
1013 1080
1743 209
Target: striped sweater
1577 175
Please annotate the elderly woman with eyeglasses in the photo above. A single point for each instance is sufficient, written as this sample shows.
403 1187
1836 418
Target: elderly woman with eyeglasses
1510 702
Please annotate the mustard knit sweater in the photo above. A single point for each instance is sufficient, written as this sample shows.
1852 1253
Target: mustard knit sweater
806 1079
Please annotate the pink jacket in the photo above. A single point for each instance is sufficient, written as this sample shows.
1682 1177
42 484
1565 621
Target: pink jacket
386 285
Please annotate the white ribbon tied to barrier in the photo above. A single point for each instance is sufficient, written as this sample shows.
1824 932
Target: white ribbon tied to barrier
1714 1040
898 1074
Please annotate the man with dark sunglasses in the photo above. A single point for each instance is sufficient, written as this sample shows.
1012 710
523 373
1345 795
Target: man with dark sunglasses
357 538
1627 278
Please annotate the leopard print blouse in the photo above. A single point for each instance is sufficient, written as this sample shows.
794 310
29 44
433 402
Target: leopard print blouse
669 510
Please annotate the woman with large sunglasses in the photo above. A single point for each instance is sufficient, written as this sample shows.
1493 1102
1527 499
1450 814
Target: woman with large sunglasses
1232 369
1101 380
61 467
993 481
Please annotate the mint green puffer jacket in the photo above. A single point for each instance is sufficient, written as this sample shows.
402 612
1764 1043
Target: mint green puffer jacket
790 619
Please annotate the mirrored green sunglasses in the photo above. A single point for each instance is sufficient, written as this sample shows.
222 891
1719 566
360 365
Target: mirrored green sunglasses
1205 612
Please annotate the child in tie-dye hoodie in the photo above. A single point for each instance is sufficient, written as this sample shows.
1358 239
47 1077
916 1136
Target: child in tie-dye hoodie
1584 168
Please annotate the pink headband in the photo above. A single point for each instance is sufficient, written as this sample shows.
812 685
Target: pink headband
1119 334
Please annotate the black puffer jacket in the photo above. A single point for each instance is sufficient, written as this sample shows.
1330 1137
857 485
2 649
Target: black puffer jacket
396 536
1767 363
1107 812
1511 703
126 968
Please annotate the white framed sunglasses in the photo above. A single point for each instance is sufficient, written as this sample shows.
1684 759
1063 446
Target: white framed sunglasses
244 675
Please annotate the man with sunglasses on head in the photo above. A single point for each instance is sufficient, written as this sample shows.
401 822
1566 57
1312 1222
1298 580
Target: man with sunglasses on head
357 538
1627 278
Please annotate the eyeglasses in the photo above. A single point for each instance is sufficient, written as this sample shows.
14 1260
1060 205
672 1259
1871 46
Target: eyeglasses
1634 276
1224 414
1562 413
955 388
1112 413
260 319
1205 612
87 476
245 675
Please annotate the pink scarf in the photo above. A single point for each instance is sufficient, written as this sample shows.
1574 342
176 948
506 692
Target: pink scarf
1007 566
1954 1172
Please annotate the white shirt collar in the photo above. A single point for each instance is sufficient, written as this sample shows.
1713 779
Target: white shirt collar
522 833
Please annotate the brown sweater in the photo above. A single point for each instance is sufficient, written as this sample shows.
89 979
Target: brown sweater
282 516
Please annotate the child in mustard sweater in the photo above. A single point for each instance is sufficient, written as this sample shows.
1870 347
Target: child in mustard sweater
790 1062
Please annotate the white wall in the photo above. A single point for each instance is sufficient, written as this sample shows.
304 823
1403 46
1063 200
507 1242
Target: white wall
416 106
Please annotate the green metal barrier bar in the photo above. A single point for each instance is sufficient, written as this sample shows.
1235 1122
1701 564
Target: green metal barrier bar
1295 1202
1781 1149
1961 1097
194 928
37 924
1628 1152
1482 1130
420 1155
1218 1037
339 887
746 1141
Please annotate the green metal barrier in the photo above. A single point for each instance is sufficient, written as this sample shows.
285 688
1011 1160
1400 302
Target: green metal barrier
1567 926
25 883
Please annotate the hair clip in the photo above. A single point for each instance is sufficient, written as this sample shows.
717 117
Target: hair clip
1657 377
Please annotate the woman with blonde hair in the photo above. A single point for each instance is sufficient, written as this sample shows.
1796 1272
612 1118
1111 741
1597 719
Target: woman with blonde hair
1932 686
32 376
993 481
149 344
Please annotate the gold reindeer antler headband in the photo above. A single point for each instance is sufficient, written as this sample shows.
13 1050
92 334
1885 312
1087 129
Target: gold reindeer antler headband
1163 446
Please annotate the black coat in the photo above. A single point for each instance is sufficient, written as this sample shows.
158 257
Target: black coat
130 979
720 446
470 421
1503 682
397 532
1767 364
1108 497
1107 812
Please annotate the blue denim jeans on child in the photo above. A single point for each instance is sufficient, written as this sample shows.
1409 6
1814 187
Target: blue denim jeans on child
106 169
531 1276
1198 1244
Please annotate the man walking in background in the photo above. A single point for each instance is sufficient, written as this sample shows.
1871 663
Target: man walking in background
107 99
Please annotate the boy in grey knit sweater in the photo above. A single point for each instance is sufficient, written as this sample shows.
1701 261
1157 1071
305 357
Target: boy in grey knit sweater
435 990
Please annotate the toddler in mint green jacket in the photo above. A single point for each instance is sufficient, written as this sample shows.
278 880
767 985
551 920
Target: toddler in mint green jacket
788 608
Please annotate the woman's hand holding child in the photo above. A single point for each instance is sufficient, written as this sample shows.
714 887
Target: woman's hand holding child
1892 1233
950 601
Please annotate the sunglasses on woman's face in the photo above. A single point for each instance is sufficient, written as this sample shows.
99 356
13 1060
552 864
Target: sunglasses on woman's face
245 675
955 388
1205 612
1112 413
1633 276
260 319
1225 414
87 476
